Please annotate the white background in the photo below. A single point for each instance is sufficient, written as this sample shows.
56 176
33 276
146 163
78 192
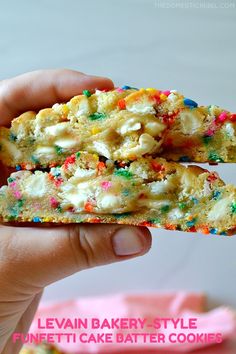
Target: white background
139 43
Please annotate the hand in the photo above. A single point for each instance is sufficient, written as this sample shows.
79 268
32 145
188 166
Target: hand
34 257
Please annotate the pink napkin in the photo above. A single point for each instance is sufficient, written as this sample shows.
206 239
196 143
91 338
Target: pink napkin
140 306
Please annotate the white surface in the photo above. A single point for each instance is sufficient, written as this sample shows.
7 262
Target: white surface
140 44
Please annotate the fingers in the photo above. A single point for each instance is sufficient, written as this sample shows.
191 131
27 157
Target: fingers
36 257
43 88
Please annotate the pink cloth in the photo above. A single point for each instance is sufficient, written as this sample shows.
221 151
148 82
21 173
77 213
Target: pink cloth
149 306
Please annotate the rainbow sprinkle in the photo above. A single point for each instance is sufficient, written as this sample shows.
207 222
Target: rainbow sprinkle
97 116
190 103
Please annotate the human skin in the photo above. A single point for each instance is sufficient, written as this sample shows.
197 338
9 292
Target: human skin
32 256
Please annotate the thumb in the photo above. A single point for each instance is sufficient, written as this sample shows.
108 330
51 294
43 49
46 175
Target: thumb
44 255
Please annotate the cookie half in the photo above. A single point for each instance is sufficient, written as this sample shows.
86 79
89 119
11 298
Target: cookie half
149 192
123 124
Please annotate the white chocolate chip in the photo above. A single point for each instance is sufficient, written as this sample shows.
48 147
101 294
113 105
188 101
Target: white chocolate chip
75 199
76 194
84 108
220 209
109 202
160 187
102 149
191 184
147 144
55 107
207 188
43 151
188 180
141 107
66 143
229 128
129 126
83 173
57 129
151 203
11 149
172 96
154 128
36 185
190 121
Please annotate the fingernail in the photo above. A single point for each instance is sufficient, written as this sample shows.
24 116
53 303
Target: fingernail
127 241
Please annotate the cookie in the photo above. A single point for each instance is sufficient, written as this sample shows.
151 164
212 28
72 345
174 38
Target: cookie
122 125
146 192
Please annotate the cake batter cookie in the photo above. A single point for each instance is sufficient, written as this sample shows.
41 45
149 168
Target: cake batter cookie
123 124
148 192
